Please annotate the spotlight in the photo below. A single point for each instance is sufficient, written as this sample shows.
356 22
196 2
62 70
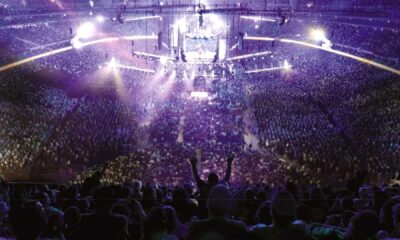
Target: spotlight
318 34
75 43
163 60
86 30
286 65
113 63
99 18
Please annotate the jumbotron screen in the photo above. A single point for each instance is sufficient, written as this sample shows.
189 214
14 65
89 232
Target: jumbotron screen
200 49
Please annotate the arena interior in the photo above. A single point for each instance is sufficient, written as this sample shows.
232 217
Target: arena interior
200 119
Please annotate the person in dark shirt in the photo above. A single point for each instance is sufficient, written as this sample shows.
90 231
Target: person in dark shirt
213 178
102 224
283 211
363 226
218 226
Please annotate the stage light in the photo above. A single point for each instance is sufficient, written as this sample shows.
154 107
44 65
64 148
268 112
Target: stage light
113 63
86 30
199 95
318 34
131 19
76 43
163 60
91 3
326 44
257 18
286 65
99 18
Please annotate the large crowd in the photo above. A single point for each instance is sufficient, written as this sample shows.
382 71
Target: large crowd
134 146
309 122
211 208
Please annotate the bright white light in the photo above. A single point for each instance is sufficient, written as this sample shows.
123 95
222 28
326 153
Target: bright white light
327 44
256 26
193 75
131 19
250 55
163 60
151 55
86 30
318 34
286 65
134 68
90 13
199 95
91 3
76 43
99 18
113 63
257 18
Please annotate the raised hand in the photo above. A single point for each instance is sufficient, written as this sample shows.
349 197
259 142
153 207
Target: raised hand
230 157
193 160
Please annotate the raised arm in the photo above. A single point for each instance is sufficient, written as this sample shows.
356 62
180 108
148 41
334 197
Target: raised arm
193 162
229 168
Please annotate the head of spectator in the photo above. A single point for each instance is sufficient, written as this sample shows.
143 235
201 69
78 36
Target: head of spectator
396 216
103 198
30 221
155 225
219 201
55 226
213 179
263 214
386 216
303 213
379 199
72 216
283 209
172 220
364 225
363 193
83 204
